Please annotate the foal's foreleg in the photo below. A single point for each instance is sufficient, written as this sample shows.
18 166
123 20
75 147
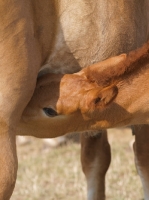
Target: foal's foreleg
95 158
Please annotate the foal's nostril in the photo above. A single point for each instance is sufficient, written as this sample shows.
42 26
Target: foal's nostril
50 112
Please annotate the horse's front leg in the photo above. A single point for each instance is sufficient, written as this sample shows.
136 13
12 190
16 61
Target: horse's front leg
95 158
13 100
19 65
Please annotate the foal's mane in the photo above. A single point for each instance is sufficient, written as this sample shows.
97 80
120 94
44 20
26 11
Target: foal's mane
134 62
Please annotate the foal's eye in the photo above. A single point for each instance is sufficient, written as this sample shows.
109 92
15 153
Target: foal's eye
50 112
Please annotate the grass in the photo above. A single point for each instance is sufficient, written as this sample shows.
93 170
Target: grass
55 174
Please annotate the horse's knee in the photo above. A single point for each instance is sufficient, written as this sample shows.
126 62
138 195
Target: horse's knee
7 184
8 171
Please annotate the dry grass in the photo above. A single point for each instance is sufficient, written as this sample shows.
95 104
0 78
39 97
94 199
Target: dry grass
46 174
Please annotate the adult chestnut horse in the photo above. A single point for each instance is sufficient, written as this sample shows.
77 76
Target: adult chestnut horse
59 37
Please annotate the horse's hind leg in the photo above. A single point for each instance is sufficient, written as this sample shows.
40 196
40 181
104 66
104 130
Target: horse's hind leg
141 151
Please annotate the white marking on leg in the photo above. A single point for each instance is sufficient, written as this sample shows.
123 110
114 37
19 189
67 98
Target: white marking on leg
92 181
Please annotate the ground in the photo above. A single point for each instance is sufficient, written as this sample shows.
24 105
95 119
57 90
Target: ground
55 174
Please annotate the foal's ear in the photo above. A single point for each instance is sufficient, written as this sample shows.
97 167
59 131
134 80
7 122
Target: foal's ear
103 98
107 95
98 99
